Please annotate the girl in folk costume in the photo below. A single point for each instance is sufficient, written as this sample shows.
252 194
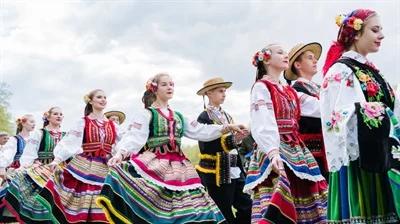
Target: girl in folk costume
10 157
355 105
220 168
26 184
70 193
283 176
303 60
159 184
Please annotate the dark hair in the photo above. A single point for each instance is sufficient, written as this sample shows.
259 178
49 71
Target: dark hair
46 116
261 70
88 98
149 96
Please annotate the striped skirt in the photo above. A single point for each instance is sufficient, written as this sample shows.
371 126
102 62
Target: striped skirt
5 214
71 193
20 199
297 195
357 196
126 197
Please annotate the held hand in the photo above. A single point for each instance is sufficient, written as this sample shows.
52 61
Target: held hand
277 164
36 164
237 128
54 164
117 159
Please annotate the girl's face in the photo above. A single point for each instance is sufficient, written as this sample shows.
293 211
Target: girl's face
56 116
165 88
29 124
370 39
279 58
99 101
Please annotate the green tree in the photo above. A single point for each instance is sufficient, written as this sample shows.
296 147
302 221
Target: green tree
192 153
5 117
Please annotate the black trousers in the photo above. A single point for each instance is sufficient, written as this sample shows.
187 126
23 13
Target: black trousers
231 195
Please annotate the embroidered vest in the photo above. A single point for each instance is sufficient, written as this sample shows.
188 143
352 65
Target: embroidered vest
98 139
166 131
286 107
20 147
47 145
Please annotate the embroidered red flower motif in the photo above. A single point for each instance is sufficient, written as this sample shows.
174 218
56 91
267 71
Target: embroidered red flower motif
372 89
337 77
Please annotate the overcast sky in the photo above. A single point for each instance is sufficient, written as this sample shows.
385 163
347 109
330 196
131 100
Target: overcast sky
54 52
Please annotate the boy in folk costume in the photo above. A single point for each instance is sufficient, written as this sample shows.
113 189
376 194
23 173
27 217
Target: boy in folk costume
220 168
117 116
303 60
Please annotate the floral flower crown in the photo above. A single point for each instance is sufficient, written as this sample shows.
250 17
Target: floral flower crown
21 120
350 21
151 85
45 116
263 55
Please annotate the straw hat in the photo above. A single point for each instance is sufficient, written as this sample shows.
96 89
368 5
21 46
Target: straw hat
295 52
119 114
212 84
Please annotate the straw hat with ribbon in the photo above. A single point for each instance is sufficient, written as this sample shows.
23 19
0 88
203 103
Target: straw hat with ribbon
295 52
119 114
212 84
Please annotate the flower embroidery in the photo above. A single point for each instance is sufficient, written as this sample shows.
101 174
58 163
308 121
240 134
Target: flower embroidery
336 118
337 78
372 113
369 85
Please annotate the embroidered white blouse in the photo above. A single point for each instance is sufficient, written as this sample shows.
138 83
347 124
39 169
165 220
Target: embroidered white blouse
8 152
264 128
71 143
340 91
138 131
31 149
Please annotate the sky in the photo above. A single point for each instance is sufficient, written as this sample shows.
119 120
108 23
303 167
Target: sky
54 52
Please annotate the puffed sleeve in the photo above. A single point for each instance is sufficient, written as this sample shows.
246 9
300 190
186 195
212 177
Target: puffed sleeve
264 128
340 91
135 137
71 143
309 105
201 132
8 152
31 149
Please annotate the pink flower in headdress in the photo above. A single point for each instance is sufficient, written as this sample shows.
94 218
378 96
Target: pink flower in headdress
151 85
263 55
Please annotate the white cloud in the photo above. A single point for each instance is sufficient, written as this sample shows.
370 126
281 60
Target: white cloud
53 52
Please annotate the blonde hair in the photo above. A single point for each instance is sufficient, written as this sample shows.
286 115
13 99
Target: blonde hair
47 114
87 98
22 120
